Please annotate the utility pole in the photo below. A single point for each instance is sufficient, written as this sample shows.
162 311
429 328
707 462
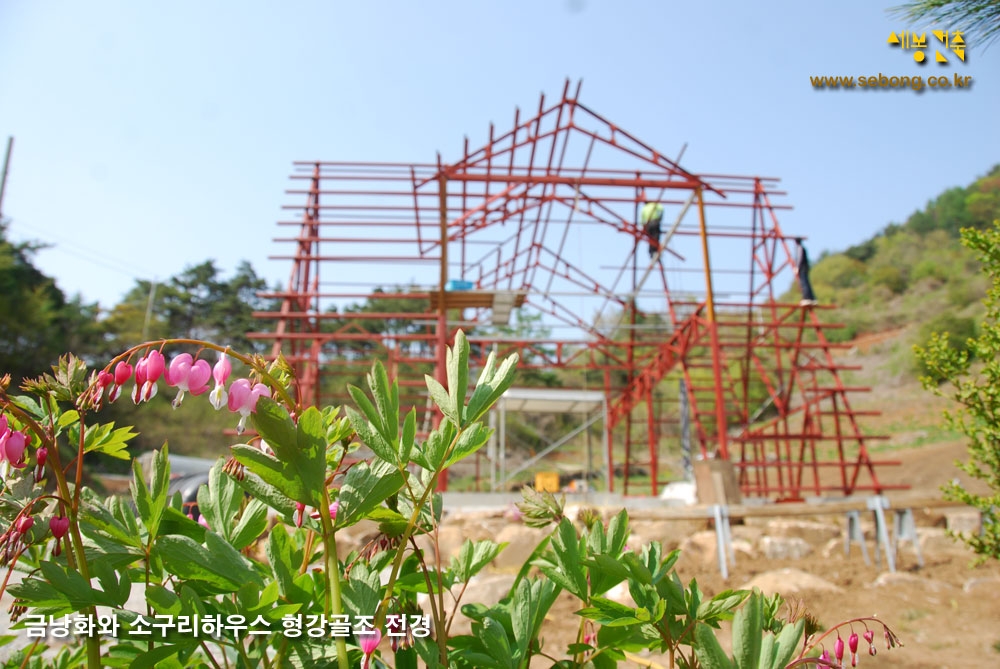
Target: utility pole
3 177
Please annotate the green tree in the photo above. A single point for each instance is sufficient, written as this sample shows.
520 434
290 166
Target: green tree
37 321
976 391
981 18
198 303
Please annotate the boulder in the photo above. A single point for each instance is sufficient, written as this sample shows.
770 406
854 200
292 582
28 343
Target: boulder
784 548
910 582
963 519
814 533
522 540
702 547
485 589
986 585
788 581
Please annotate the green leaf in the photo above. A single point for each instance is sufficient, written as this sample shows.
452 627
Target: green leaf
442 399
95 518
274 472
472 557
458 374
470 441
252 523
370 436
163 601
116 588
216 563
747 634
611 613
409 436
363 591
707 649
788 643
150 506
618 533
261 490
494 638
605 573
275 426
283 558
219 501
721 606
565 546
386 399
364 488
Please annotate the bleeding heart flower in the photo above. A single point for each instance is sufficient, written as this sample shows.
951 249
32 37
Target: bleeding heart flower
187 375
838 650
243 399
24 524
369 642
300 512
123 372
12 446
220 372
59 525
41 455
333 511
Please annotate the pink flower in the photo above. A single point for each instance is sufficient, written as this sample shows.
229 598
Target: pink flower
220 373
147 372
203 522
24 524
826 656
333 511
300 512
104 379
838 650
41 455
123 372
852 644
870 638
59 525
188 376
243 399
369 642
12 448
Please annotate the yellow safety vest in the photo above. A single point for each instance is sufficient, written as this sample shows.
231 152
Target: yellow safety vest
650 211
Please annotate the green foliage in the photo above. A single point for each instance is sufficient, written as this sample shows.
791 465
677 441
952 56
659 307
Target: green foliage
910 273
38 322
976 391
188 569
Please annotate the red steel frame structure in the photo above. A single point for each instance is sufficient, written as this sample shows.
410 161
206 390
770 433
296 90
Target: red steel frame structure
528 219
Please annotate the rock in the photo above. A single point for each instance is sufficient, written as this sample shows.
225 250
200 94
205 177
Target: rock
784 548
815 534
621 594
750 533
702 547
963 520
986 584
522 540
935 541
787 581
910 582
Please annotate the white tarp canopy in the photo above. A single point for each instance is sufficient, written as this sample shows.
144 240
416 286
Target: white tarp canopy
552 400
590 403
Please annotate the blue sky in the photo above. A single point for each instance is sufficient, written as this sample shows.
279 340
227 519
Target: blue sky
154 135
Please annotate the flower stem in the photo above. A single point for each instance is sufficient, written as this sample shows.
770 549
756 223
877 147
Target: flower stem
334 603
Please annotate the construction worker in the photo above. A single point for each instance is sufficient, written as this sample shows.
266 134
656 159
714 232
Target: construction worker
802 269
650 217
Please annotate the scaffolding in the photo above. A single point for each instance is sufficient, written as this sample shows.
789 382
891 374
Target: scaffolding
545 219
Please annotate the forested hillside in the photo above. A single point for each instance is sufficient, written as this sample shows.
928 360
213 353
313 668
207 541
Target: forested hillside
915 274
